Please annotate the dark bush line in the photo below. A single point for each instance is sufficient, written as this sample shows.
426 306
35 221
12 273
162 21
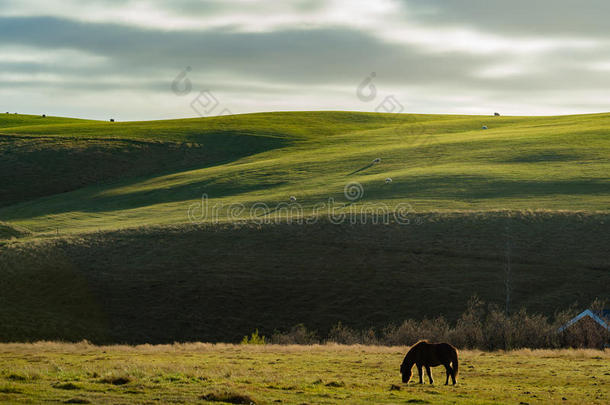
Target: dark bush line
479 327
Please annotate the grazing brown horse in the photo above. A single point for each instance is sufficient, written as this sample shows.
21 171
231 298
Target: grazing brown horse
425 354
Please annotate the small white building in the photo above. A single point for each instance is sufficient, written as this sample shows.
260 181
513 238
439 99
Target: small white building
601 318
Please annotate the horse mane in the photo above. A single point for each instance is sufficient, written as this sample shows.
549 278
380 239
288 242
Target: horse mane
412 351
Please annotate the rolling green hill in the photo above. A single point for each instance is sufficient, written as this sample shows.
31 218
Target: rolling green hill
96 239
100 175
8 120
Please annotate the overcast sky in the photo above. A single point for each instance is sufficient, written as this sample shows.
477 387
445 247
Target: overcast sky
136 59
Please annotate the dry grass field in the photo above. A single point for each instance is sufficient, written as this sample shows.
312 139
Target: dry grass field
265 374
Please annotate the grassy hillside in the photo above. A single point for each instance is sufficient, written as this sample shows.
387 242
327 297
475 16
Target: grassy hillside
8 231
435 162
32 167
20 120
97 242
220 282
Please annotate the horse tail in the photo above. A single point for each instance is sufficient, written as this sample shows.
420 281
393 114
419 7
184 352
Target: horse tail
455 362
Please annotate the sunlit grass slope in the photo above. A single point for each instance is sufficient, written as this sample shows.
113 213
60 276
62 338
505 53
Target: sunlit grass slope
12 120
102 175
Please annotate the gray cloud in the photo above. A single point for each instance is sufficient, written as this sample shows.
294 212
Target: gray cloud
518 17
332 56
319 66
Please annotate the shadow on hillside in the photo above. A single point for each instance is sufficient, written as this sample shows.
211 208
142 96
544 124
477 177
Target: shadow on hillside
95 202
459 188
547 156
483 187
34 167
218 283
361 169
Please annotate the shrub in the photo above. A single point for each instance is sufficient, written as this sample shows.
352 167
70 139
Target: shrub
411 331
298 335
468 332
497 330
255 339
531 331
477 328
343 335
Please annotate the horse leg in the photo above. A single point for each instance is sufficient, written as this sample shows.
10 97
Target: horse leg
449 371
419 370
429 375
454 366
